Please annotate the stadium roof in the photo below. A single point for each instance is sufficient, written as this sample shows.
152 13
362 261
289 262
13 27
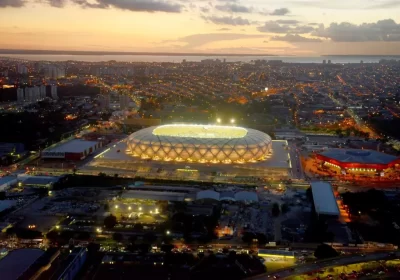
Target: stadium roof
208 194
73 146
324 199
6 181
246 196
17 262
359 156
5 204
227 196
200 131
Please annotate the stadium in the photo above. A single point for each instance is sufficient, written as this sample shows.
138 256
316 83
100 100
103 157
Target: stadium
355 160
196 152
200 143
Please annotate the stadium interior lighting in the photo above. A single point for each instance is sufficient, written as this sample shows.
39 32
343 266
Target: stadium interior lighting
129 208
116 206
233 121
218 120
140 208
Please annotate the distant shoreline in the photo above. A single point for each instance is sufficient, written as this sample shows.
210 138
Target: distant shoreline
360 55
50 52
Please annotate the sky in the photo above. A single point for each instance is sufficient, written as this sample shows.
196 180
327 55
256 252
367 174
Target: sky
279 27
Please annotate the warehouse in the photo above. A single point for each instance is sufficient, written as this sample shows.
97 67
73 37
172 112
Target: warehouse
72 150
324 199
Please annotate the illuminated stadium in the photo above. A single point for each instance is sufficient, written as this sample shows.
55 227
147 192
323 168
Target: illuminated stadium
200 144
358 160
196 153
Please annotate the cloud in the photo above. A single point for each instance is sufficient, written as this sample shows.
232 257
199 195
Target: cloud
204 9
223 29
129 5
383 30
385 5
11 3
57 3
294 38
227 20
197 40
280 12
287 21
275 27
233 8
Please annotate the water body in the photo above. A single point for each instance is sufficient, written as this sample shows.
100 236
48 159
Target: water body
178 59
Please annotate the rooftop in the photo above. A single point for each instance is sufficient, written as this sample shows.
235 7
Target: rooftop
17 262
359 156
73 146
324 198
200 131
5 204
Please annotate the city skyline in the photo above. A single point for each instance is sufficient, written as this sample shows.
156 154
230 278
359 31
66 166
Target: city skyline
302 28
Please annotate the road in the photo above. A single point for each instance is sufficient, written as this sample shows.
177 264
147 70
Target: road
297 168
303 269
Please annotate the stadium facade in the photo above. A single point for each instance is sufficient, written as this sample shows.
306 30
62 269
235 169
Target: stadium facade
200 143
358 160
196 152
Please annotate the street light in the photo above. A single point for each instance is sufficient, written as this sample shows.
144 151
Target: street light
116 206
218 120
232 121
98 230
140 208
168 232
129 208
57 227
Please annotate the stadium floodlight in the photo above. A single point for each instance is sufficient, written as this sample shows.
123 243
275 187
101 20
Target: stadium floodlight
233 121
218 120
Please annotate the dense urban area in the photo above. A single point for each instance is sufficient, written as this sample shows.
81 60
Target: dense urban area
196 170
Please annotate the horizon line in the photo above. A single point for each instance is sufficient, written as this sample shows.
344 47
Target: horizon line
72 52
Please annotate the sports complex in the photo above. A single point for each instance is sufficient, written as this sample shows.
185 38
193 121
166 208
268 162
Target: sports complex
200 148
358 161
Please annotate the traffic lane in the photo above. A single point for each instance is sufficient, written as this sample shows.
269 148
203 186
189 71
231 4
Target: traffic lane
294 271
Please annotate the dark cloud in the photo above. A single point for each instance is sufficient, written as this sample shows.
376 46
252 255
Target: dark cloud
227 20
295 38
233 8
275 27
56 3
11 3
383 30
130 5
280 12
139 5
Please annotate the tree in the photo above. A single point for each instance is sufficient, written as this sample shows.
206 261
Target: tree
261 238
325 251
110 221
132 239
275 210
138 227
117 236
106 207
284 208
149 237
248 237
